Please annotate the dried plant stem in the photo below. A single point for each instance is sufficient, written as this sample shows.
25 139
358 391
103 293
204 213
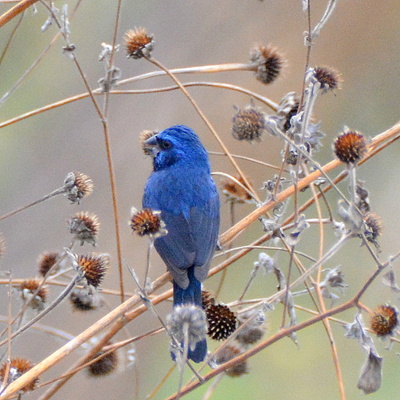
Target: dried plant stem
16 10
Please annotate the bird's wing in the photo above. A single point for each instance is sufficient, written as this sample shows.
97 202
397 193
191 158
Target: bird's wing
204 224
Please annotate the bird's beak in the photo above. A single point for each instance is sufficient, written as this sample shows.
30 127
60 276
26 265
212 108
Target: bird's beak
153 145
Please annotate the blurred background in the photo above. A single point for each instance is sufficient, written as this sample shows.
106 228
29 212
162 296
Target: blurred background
361 40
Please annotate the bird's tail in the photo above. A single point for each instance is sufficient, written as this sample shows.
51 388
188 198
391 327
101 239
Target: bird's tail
192 295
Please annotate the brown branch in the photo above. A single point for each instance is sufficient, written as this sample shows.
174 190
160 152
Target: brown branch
14 11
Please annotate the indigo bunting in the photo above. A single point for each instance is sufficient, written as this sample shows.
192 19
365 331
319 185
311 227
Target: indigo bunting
181 187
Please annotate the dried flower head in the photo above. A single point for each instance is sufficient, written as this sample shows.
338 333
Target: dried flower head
234 192
374 227
138 43
221 321
84 227
77 186
147 222
288 107
28 288
384 320
252 327
17 367
92 267
45 262
105 365
269 62
189 316
143 137
226 354
335 278
362 197
329 78
248 124
350 147
207 299
83 300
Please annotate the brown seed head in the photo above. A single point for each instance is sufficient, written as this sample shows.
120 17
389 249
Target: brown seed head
143 137
221 321
248 124
46 261
77 186
82 300
28 287
229 352
207 299
93 267
350 147
105 365
383 320
253 328
329 78
16 368
234 192
269 62
374 225
138 43
147 222
84 227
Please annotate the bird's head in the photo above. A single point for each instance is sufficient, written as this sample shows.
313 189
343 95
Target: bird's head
178 145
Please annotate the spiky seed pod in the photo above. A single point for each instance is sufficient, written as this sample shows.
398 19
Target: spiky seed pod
143 137
328 77
248 124
105 365
147 222
229 352
77 186
207 299
350 147
384 320
84 227
138 43
192 316
45 262
269 62
221 321
374 226
28 287
93 267
234 192
17 367
82 300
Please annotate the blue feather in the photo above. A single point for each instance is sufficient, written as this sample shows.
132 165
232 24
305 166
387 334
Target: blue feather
181 187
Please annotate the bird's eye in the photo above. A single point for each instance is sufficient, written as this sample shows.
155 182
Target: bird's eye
165 144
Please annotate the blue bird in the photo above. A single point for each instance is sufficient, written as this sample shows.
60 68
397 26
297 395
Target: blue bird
181 187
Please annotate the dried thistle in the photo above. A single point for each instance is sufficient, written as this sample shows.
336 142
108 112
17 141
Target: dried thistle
17 367
82 300
77 186
45 262
28 288
234 192
221 321
350 147
248 124
105 365
384 320
84 227
269 62
226 354
147 222
328 77
138 43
